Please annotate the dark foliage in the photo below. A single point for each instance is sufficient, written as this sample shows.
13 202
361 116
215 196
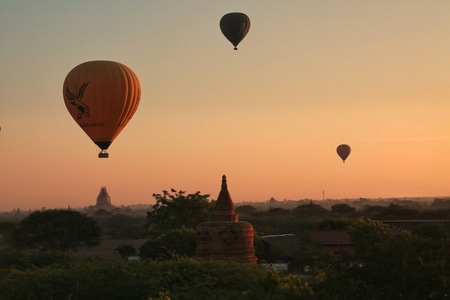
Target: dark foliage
126 250
182 279
56 230
123 226
176 243
310 210
432 230
245 209
23 260
342 209
175 210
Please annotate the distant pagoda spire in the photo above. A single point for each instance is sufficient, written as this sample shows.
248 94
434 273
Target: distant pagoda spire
103 199
224 207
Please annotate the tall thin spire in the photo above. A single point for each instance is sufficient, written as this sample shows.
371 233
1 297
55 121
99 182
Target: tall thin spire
224 208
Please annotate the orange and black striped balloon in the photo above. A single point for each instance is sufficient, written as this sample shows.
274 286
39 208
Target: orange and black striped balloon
102 96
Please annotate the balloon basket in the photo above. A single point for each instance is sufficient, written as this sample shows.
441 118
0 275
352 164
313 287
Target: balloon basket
103 154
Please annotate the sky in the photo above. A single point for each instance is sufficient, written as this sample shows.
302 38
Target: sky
310 75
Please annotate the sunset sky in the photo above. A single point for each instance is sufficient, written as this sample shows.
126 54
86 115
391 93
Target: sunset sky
309 76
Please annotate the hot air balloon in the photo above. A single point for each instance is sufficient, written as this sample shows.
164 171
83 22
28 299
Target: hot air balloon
235 27
102 96
343 151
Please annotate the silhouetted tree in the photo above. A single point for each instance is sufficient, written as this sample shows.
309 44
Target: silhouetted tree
310 210
178 242
431 230
6 229
175 210
342 209
56 229
126 250
394 264
278 211
124 226
245 209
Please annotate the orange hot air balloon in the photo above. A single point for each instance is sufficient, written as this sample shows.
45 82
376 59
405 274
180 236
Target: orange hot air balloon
343 151
235 27
102 96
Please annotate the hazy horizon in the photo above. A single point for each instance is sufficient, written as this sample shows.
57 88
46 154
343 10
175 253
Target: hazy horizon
428 199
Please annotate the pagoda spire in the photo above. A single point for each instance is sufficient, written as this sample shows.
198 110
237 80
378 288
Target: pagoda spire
224 208
225 237
103 199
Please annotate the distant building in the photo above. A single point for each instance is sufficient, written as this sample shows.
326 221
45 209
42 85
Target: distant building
103 199
285 246
334 242
225 237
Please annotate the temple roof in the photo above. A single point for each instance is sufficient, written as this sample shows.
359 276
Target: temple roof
103 198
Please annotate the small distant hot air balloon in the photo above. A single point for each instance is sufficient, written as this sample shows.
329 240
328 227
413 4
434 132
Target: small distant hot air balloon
343 151
235 27
102 96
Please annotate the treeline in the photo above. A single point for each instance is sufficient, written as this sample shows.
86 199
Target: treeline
315 210
390 262
118 279
279 220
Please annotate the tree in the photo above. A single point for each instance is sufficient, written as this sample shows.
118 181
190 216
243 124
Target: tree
245 209
342 209
126 250
278 211
393 264
57 229
6 228
310 210
435 231
175 210
178 242
124 226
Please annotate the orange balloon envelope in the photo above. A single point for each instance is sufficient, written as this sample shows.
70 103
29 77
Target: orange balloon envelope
102 96
235 27
343 151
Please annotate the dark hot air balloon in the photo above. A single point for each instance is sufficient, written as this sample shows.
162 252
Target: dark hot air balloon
102 96
235 27
343 151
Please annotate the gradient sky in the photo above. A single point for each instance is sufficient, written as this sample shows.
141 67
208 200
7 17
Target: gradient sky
309 75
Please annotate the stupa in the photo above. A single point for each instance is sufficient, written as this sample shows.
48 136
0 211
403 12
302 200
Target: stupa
103 199
225 237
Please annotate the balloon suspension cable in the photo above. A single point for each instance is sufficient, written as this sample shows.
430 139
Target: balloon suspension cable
103 154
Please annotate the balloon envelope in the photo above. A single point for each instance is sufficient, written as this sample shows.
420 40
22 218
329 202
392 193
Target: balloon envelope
343 151
235 27
102 96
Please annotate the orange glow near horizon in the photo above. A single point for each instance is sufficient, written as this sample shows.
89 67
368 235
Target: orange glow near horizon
308 77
